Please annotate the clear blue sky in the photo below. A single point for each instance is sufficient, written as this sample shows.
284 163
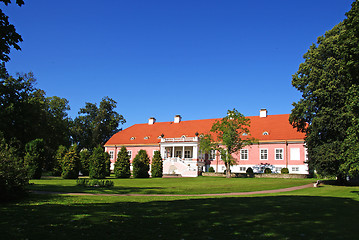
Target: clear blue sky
196 58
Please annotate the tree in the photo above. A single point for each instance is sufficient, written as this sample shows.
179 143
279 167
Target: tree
34 158
59 157
328 79
141 165
98 165
70 164
9 38
226 136
85 158
122 165
96 125
157 165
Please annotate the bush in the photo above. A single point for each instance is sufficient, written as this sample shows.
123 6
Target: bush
70 164
94 183
157 165
98 164
284 171
13 175
58 161
107 159
141 165
249 170
34 158
85 162
122 165
267 170
211 169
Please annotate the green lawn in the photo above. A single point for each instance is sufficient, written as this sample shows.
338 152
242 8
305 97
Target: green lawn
328 212
171 185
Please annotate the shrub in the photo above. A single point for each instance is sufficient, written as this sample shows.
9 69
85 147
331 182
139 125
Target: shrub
94 183
13 175
59 157
34 158
141 165
157 165
85 162
122 165
284 171
107 159
98 164
70 164
249 170
211 169
267 170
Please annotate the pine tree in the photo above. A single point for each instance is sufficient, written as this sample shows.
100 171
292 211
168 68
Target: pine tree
85 161
98 164
141 165
60 153
122 165
70 164
157 165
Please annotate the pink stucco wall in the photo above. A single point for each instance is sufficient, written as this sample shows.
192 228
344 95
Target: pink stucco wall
134 149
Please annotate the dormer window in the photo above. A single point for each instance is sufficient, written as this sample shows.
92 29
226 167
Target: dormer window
244 134
265 133
132 138
183 136
159 137
146 137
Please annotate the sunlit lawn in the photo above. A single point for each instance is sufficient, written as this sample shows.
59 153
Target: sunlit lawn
328 212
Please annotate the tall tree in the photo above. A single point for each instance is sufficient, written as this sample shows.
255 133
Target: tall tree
96 125
157 165
122 164
98 164
141 165
228 136
34 158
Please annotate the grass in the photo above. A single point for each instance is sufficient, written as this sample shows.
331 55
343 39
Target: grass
198 185
328 212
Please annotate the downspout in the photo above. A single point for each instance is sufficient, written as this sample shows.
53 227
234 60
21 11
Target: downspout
286 153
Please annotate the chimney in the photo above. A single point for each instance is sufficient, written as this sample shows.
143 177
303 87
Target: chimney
177 119
263 113
151 121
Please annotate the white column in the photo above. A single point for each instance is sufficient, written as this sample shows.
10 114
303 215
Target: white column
195 152
183 152
163 150
173 151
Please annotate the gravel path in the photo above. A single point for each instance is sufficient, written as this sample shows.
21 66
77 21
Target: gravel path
183 195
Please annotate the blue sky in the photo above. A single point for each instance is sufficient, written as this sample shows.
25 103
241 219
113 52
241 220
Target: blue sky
196 58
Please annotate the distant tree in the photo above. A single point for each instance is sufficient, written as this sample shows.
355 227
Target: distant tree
70 164
59 157
96 125
157 165
34 158
226 136
141 165
85 158
122 164
98 165
107 157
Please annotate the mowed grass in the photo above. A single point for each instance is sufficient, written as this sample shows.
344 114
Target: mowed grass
327 212
198 185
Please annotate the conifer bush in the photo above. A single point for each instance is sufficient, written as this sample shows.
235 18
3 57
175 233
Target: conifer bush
70 164
284 171
267 170
107 158
157 165
249 170
141 165
85 155
122 165
59 157
211 169
98 164
34 158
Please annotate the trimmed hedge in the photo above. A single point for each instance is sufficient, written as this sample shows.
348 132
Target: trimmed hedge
157 165
122 165
141 165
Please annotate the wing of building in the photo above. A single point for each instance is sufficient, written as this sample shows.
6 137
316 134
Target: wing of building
279 145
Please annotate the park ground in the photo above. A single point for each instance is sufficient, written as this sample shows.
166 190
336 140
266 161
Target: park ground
326 212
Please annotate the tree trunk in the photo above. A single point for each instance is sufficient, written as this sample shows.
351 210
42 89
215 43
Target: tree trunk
228 170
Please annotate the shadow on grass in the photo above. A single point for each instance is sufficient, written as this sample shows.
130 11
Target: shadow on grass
273 217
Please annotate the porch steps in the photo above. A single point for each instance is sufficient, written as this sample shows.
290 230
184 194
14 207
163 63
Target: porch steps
171 175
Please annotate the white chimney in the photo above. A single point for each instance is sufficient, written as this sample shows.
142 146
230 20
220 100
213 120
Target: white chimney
177 119
151 121
263 113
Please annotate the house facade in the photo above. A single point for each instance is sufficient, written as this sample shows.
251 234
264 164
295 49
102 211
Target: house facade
278 145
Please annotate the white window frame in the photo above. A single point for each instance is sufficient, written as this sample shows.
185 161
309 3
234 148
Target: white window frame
281 153
262 154
295 169
295 154
178 153
242 169
244 154
112 154
129 153
212 155
186 152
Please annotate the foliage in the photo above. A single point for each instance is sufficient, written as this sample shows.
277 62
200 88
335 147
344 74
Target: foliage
85 156
284 171
70 164
34 158
211 169
107 157
267 170
157 165
59 157
94 183
141 165
226 136
249 170
96 125
98 165
13 175
122 164
327 111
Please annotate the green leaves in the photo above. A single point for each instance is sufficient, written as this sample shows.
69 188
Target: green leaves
141 165
157 165
122 164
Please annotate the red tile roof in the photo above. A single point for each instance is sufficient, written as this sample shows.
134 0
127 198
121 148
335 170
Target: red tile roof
277 126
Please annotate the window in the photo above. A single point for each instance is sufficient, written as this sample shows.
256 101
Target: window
187 154
146 137
111 154
265 133
242 169
244 154
212 155
244 134
264 154
178 154
129 152
295 169
132 138
278 169
294 154
279 154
